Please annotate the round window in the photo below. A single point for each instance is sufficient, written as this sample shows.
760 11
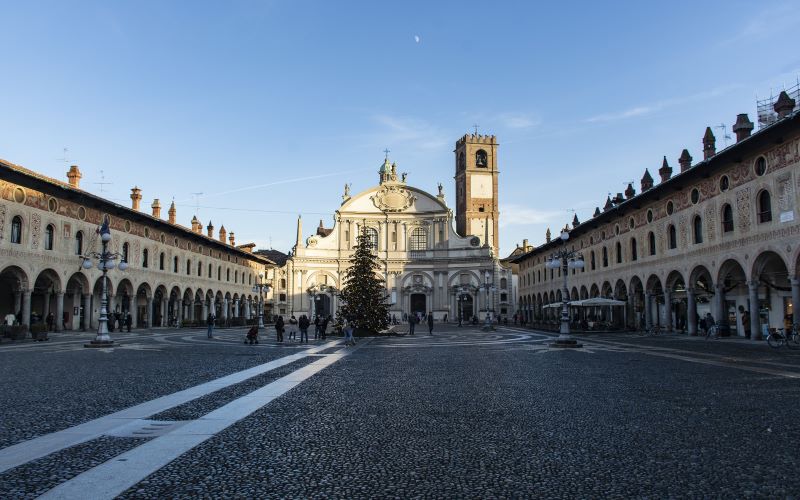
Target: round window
127 226
52 205
631 223
670 207
603 235
175 241
163 238
695 196
761 166
81 213
649 216
147 232
724 183
19 195
616 229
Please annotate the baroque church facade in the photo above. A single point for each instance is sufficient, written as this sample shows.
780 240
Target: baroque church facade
429 264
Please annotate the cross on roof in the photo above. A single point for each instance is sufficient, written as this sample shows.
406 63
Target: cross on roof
386 152
475 126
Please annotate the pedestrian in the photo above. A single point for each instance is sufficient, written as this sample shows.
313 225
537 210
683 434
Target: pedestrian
709 320
412 321
324 327
252 335
430 324
445 318
317 324
292 328
128 321
348 334
303 323
210 322
49 321
745 321
279 328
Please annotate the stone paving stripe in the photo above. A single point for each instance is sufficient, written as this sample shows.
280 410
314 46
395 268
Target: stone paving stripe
117 475
42 446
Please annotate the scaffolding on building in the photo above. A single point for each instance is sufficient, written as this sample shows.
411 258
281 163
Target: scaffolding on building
766 113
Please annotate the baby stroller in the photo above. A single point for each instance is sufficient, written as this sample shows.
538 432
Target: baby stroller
252 335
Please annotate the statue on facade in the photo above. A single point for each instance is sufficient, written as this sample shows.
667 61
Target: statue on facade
404 176
441 192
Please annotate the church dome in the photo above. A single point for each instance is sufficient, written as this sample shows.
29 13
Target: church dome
386 167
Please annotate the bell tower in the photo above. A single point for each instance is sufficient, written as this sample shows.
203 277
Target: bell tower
477 212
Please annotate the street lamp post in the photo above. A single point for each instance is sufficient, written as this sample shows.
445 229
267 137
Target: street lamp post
566 260
105 262
462 300
487 321
261 287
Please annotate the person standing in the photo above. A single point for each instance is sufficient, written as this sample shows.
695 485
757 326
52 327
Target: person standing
317 324
430 324
49 321
279 328
128 321
348 334
324 327
745 321
292 328
210 322
412 321
304 323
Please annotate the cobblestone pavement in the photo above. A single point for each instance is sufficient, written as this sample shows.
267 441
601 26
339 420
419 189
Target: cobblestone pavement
465 413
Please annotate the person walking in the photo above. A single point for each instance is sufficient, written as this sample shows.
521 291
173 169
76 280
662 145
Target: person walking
292 328
279 328
304 323
412 321
430 324
324 327
128 321
49 321
317 324
348 334
210 322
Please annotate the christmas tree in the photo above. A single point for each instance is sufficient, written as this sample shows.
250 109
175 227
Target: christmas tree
363 297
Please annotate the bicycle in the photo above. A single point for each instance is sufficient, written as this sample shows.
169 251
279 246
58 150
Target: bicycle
778 339
712 332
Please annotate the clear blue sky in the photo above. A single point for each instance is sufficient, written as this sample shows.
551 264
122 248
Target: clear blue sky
224 97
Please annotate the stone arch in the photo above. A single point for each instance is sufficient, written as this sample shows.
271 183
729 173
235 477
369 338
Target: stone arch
311 279
620 290
14 282
584 294
594 291
574 294
606 290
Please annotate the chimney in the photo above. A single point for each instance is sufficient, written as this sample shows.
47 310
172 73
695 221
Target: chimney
196 226
784 105
596 211
74 176
575 221
665 171
709 141
647 181
525 245
172 212
136 197
685 161
156 206
232 239
743 127
629 191
547 235
210 229
608 206
222 233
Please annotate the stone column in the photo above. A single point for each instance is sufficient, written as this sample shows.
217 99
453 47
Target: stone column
691 311
46 306
224 308
87 311
755 319
796 301
236 308
648 310
164 312
59 319
132 309
26 308
17 302
150 312
179 311
205 310
668 309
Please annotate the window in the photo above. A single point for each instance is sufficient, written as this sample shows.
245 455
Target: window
175 264
282 297
694 196
481 159
209 271
591 257
634 255
649 216
697 226
419 242
605 257
219 273
125 248
161 261
144 258
673 237
503 297
461 163
670 207
651 242
619 253
48 237
188 267
372 235
761 166
503 283
79 243
727 218
283 282
227 275
236 276
724 183
764 206
199 269
631 223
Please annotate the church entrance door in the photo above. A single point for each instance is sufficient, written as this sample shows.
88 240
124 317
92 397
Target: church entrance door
418 303
323 305
465 307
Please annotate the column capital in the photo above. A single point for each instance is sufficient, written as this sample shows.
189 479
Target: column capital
753 284
794 281
59 294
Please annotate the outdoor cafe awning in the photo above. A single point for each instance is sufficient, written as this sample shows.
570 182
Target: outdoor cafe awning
595 302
